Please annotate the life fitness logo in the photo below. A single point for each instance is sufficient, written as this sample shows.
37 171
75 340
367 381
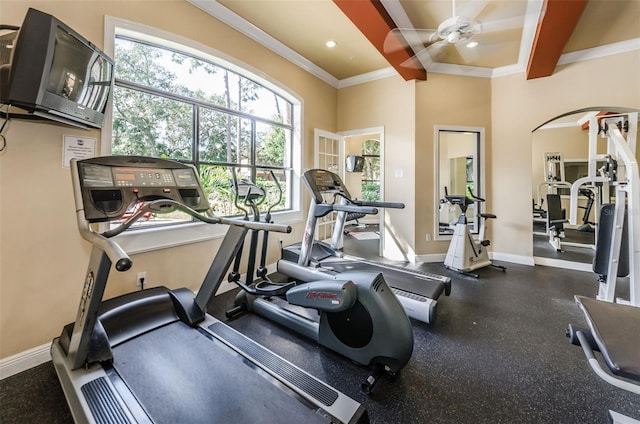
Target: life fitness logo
314 295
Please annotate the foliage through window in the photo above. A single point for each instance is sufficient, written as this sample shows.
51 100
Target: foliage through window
174 105
371 170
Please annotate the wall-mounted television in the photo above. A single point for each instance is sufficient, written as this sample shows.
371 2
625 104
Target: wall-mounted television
354 163
55 73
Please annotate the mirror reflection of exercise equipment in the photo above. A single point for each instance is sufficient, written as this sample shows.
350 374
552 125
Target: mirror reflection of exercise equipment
553 216
459 165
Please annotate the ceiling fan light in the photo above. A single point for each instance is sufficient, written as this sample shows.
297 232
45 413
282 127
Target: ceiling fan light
472 44
453 37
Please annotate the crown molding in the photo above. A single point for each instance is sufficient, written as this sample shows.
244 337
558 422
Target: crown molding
367 77
601 51
243 26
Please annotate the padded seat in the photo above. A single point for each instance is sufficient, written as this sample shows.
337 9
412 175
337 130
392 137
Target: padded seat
614 328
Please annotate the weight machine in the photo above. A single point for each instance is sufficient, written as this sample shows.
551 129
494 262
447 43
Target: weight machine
619 248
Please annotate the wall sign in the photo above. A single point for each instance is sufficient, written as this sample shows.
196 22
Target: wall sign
78 148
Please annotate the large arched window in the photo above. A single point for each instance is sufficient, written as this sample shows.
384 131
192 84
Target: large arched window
178 99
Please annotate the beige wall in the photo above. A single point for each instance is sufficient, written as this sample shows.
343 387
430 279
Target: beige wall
43 259
388 103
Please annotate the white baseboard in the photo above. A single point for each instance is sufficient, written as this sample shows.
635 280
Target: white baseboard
22 361
436 257
514 259
557 263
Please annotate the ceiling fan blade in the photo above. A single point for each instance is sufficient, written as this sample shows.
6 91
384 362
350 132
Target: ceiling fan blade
403 38
426 56
415 62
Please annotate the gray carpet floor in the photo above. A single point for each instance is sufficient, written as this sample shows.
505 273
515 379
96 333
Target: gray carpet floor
496 354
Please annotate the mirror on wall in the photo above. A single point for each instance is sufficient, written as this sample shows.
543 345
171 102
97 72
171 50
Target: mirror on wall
459 165
560 156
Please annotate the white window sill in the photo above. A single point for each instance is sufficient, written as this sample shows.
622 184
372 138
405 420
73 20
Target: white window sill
150 239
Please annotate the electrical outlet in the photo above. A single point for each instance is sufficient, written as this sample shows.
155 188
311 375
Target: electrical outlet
428 237
141 279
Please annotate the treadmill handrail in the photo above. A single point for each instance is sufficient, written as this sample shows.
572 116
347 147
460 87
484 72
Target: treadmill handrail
355 208
376 204
123 262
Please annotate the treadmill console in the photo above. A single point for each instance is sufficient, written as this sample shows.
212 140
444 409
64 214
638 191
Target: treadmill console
321 181
110 184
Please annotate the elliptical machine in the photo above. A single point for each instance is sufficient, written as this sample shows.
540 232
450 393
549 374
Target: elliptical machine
466 254
252 196
353 313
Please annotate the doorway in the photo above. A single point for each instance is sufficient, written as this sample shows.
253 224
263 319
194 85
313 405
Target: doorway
332 149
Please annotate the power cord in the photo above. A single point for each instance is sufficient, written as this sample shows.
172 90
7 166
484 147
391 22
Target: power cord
3 140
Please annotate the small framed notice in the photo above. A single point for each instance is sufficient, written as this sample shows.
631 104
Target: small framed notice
78 148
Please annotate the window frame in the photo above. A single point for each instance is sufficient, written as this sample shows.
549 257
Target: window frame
161 237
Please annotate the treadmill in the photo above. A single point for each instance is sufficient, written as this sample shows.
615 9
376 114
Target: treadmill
417 291
155 355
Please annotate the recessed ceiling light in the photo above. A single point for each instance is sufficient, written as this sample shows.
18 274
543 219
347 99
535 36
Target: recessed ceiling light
472 44
331 44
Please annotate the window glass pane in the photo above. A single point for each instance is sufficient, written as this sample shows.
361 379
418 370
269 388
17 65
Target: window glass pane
148 125
162 69
264 103
271 145
216 181
224 137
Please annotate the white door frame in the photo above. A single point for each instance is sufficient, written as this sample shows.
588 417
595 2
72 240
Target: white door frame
381 212
324 226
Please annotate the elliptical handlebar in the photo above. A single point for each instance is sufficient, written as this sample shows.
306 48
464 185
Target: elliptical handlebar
277 202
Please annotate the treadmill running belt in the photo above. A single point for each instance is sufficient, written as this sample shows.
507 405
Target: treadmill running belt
405 281
298 378
181 376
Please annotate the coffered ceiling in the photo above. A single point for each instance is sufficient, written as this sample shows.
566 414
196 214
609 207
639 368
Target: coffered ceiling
513 34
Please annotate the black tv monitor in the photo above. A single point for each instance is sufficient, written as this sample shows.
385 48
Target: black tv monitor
354 163
57 74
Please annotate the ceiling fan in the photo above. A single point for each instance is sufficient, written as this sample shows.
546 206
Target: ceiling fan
458 31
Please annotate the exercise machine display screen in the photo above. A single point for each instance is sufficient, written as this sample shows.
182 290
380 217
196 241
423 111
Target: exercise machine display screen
110 185
141 177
